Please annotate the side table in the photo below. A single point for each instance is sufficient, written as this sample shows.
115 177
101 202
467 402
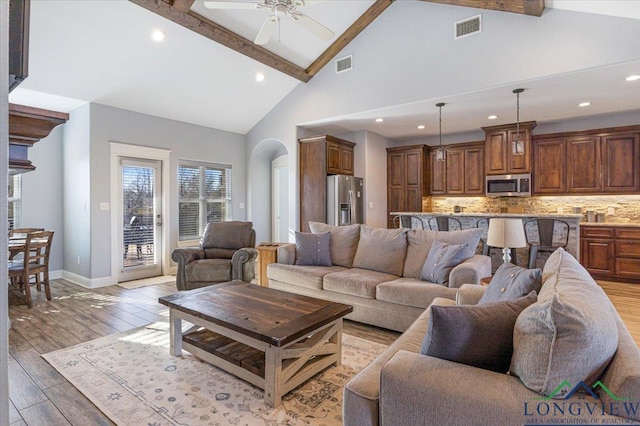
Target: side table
267 254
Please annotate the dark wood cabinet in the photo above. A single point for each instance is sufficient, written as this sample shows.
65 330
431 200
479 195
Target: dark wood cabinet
339 157
320 156
549 166
588 162
611 252
462 173
499 154
407 177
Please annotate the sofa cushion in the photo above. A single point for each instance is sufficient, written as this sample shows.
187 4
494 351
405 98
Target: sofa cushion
344 241
477 335
569 334
213 270
412 292
303 276
441 260
313 249
511 282
419 243
356 281
229 235
381 250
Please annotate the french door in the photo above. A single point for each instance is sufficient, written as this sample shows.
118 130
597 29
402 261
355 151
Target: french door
140 234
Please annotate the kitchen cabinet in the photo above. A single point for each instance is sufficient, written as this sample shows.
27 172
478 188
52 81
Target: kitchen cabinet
611 252
601 161
499 155
320 156
407 179
462 173
549 170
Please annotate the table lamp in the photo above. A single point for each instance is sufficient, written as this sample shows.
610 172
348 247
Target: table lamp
506 233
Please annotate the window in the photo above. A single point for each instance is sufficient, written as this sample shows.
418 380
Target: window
204 195
15 201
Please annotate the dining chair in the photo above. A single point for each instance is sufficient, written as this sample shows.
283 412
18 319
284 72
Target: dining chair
33 265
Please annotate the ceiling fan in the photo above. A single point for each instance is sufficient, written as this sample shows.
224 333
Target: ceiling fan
278 9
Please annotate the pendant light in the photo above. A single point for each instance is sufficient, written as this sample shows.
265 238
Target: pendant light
518 143
440 153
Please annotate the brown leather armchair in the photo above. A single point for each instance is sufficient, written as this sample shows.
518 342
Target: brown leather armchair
226 252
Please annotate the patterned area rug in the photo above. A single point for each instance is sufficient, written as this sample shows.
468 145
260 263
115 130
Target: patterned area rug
132 378
148 281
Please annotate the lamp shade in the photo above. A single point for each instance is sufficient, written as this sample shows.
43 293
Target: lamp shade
506 233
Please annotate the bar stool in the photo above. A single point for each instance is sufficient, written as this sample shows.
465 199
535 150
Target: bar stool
444 223
484 224
541 237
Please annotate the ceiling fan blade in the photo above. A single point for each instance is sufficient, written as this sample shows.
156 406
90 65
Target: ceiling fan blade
230 5
267 30
312 25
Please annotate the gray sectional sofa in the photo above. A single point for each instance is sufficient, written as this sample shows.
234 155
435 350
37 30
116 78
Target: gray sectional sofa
377 271
557 344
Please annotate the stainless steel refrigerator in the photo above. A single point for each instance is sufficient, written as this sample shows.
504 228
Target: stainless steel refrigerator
345 200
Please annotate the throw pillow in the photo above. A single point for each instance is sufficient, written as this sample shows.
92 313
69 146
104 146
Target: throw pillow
420 241
344 241
228 235
381 250
510 282
570 334
441 260
477 335
313 249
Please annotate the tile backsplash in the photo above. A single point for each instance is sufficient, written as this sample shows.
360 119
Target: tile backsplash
617 208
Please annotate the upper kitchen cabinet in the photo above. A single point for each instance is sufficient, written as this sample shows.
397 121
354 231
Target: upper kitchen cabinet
462 173
320 156
588 162
500 154
407 178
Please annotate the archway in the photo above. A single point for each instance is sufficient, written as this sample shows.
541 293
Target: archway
261 189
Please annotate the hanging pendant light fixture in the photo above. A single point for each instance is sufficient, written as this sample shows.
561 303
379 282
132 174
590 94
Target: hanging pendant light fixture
440 153
518 143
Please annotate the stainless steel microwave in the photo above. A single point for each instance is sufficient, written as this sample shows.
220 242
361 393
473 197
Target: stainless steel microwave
508 185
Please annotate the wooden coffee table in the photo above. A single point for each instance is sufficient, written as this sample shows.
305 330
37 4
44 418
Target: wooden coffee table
270 338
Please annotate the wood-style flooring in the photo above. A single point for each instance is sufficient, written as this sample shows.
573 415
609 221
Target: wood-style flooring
41 396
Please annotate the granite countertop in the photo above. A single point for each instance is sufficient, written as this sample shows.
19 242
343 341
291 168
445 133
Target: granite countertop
554 215
630 224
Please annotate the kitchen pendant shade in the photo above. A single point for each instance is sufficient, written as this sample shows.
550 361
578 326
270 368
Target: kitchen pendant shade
518 144
441 154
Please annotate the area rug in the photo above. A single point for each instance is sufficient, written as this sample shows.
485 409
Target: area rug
132 379
148 281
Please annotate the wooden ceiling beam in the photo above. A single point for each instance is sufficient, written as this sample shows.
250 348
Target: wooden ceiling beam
524 7
183 5
347 37
221 35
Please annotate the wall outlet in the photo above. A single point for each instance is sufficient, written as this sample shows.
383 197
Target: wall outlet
370 204
78 260
560 210
611 210
241 205
104 206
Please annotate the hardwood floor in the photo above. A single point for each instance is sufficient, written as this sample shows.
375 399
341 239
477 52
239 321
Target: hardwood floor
41 396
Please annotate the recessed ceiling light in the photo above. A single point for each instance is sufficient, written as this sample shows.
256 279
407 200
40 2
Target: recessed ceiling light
379 120
421 126
259 77
633 77
584 104
492 117
157 35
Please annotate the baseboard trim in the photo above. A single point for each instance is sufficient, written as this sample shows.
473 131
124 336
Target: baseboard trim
86 282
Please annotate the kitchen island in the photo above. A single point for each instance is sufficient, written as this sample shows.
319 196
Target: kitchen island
418 220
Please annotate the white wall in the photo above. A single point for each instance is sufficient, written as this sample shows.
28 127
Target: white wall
408 55
186 142
42 193
76 175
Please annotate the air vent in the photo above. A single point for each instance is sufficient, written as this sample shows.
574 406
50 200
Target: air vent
467 27
344 64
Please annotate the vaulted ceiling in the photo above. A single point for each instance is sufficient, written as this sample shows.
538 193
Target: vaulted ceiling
195 16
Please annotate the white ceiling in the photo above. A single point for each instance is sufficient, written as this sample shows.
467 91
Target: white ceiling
101 51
